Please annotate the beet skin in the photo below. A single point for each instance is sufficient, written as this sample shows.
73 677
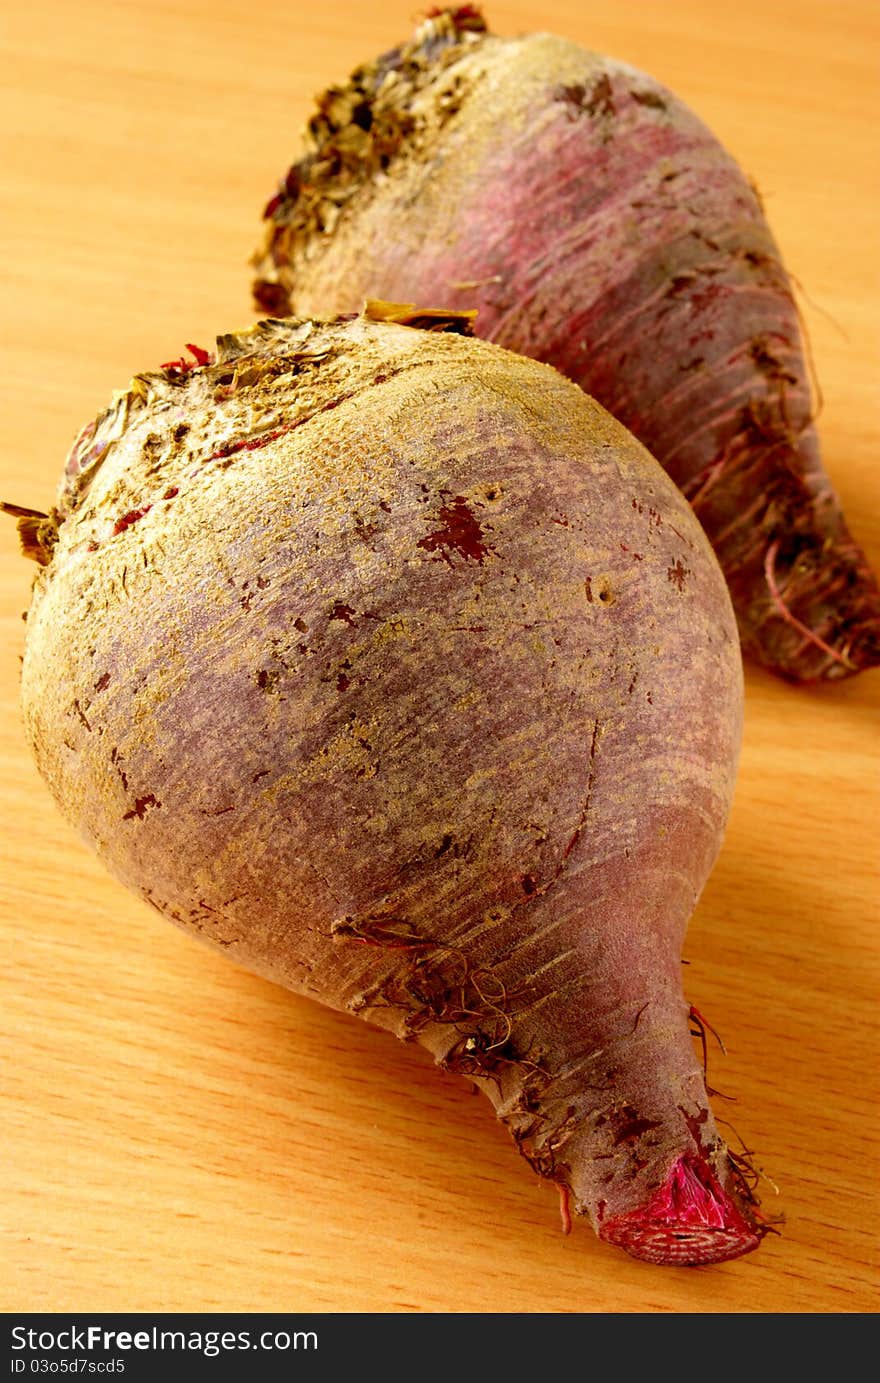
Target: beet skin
391 664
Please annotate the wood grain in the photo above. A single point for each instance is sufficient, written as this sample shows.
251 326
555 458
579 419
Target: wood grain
178 1135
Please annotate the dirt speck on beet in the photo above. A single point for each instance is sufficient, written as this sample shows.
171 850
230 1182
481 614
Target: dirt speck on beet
141 806
341 611
460 533
677 573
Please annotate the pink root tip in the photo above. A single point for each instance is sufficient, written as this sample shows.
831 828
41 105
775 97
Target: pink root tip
690 1220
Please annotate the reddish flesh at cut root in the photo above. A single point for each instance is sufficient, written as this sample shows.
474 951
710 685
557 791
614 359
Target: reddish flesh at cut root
689 1221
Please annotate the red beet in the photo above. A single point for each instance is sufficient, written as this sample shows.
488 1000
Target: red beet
595 223
391 664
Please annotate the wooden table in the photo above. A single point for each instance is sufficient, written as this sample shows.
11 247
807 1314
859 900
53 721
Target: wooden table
178 1135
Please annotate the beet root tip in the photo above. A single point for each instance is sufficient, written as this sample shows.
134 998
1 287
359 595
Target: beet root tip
689 1221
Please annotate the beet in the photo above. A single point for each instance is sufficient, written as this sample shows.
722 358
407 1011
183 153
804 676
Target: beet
597 224
391 664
